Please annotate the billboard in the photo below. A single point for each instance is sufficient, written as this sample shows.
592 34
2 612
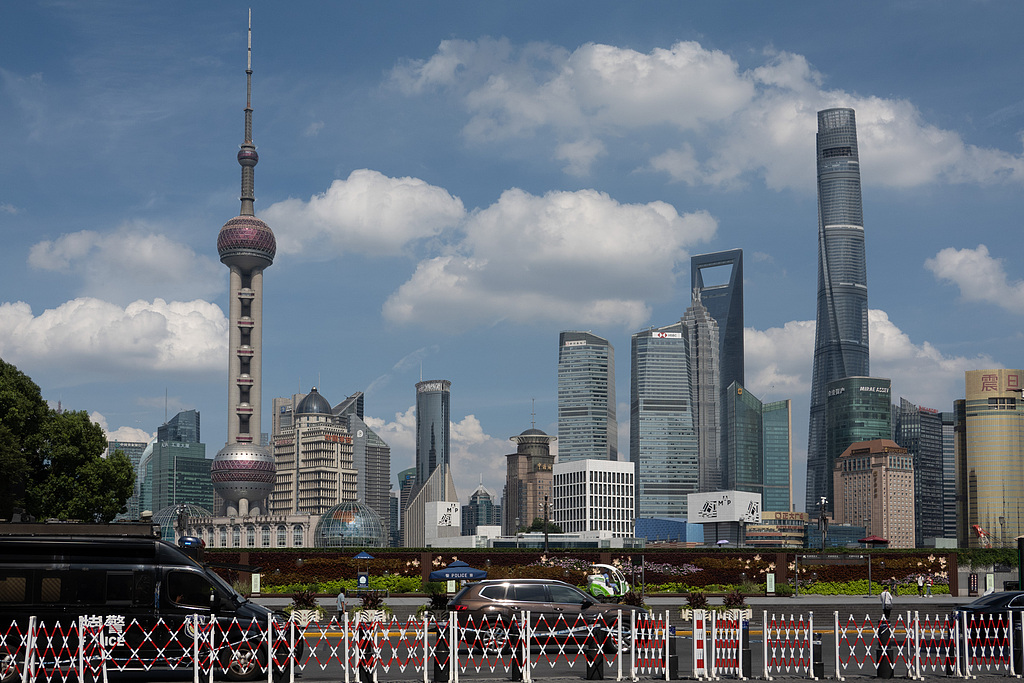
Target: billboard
723 506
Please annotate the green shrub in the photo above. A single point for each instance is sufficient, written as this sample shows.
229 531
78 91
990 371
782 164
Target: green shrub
697 600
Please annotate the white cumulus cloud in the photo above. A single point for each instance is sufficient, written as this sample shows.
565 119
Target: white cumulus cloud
121 433
717 122
580 258
135 261
475 454
980 277
367 213
86 336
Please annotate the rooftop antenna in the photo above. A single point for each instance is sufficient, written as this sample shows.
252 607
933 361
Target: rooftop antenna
165 405
533 413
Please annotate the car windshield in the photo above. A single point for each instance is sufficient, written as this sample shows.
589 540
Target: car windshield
991 599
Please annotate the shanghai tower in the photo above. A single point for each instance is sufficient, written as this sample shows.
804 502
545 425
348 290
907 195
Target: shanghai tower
841 332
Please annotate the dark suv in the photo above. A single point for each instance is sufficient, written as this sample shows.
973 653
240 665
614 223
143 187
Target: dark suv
489 614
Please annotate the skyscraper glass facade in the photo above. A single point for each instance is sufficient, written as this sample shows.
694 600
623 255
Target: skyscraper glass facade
705 393
758 452
663 441
841 331
433 427
587 429
718 280
919 430
949 506
994 440
858 409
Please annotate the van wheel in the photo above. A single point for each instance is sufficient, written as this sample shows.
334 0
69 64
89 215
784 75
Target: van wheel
241 662
8 669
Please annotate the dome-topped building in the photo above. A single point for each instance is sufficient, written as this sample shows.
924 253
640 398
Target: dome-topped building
350 525
313 404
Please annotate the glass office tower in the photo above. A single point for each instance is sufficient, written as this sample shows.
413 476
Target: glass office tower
705 393
919 430
718 280
663 440
841 332
587 429
433 427
994 455
857 409
758 453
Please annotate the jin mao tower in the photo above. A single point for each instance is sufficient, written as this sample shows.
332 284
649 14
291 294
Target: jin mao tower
841 332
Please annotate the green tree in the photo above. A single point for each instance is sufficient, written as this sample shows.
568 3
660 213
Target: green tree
538 525
22 415
70 478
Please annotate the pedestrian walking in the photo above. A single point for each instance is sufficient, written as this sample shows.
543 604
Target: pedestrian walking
928 585
920 585
886 603
342 604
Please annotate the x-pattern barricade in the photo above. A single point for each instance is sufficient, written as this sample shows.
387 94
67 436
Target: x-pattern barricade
649 645
495 644
788 644
988 643
726 646
866 643
936 638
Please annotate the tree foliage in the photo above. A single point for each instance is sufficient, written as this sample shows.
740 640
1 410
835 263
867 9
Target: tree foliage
538 525
53 460
22 414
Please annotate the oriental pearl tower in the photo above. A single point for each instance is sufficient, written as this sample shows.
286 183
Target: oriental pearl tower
243 471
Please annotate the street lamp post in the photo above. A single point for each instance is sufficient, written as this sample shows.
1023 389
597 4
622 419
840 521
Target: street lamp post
545 524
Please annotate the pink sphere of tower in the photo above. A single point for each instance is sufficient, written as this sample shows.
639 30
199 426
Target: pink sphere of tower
246 242
243 472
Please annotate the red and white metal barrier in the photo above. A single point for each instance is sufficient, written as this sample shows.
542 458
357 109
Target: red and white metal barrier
726 646
788 645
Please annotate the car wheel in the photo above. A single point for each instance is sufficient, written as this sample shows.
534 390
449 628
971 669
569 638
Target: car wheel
242 662
9 669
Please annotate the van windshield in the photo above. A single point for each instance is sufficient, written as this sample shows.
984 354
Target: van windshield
223 585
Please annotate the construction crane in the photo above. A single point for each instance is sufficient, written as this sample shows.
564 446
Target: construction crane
983 536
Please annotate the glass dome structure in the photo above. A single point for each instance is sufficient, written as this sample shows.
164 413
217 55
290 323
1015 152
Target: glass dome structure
173 516
349 525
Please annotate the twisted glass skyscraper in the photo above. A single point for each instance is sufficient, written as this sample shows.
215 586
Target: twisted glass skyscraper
841 333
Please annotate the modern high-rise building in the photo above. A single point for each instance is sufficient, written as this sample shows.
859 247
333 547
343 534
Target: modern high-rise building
949 506
874 487
595 495
663 444
717 279
529 473
371 457
857 409
841 330
481 510
993 456
758 457
134 451
705 393
243 471
586 398
173 469
315 467
433 426
919 430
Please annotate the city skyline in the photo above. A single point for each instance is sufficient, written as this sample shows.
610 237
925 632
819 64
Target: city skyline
467 180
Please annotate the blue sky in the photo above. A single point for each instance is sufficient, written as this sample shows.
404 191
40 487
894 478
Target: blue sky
451 184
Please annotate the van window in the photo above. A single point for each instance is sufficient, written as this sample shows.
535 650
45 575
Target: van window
12 587
50 590
189 589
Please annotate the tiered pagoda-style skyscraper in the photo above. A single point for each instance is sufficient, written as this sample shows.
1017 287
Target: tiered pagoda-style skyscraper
243 471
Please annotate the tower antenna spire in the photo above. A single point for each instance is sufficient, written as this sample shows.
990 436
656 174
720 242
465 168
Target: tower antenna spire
247 156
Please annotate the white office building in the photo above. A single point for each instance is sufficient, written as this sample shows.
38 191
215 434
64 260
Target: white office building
595 495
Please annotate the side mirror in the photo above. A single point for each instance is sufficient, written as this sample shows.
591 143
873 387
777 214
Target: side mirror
214 602
587 603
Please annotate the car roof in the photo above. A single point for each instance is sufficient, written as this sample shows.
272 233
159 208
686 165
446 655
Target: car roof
995 598
543 581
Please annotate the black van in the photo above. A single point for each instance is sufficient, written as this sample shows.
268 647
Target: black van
144 600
